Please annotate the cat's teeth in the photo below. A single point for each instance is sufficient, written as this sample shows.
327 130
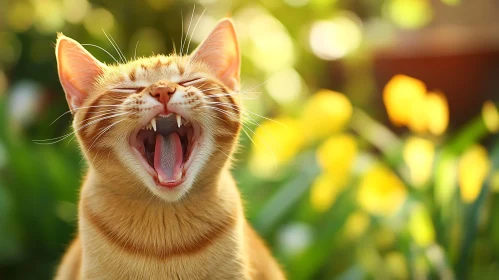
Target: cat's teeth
153 124
179 120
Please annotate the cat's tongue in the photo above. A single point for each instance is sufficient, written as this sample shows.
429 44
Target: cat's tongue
168 158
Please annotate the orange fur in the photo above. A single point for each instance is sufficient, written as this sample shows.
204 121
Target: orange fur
128 227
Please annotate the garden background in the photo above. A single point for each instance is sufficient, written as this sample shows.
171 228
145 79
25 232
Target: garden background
374 150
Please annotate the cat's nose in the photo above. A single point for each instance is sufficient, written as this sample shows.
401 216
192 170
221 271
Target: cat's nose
163 91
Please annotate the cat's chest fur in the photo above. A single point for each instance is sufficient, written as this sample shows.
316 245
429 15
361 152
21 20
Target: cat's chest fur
145 241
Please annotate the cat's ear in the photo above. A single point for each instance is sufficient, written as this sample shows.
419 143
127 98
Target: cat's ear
78 70
220 51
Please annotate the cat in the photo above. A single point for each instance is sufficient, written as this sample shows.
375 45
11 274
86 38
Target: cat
158 133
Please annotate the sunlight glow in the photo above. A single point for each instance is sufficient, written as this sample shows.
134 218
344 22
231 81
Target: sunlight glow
20 16
97 20
333 39
284 86
75 10
410 14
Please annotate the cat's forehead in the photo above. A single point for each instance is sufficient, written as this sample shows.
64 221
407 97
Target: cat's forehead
144 71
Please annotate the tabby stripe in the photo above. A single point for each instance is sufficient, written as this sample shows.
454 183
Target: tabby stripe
120 240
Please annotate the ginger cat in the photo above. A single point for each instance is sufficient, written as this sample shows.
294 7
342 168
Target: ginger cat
158 200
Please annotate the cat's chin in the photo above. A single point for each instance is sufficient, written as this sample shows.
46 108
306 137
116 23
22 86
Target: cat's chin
166 148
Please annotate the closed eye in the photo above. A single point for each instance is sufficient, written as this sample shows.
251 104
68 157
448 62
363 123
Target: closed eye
190 82
129 89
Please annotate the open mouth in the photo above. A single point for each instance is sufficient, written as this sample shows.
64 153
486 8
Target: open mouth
165 147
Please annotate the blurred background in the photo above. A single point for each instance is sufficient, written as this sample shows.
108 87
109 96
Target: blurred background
370 148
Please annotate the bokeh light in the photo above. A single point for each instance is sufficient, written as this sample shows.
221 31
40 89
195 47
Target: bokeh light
333 39
490 116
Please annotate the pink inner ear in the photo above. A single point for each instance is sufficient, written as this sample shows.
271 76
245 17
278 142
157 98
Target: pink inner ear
78 70
220 51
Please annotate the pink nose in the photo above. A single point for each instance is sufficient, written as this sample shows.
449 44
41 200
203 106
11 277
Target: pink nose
163 91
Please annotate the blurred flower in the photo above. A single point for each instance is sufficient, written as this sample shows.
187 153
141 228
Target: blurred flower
24 102
294 238
399 95
97 20
20 15
274 143
420 226
418 154
325 112
357 223
490 116
333 39
381 192
473 168
48 15
396 263
410 14
324 191
408 103
75 10
436 112
285 86
336 156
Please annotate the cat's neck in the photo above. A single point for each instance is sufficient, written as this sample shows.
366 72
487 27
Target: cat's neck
160 227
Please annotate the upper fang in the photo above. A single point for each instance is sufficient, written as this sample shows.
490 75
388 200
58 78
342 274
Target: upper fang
179 120
153 123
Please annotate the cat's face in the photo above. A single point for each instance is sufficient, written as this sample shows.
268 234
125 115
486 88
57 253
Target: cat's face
164 123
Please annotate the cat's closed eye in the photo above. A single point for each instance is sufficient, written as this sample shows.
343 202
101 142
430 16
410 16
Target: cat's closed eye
129 89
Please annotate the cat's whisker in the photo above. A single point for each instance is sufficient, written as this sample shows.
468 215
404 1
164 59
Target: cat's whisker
239 109
85 107
135 51
115 46
245 110
92 45
188 29
182 33
103 114
104 130
61 138
192 33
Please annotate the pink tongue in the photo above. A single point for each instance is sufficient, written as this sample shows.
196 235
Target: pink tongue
168 158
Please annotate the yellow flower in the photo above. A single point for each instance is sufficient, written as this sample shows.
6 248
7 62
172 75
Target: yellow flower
407 103
336 155
418 154
490 116
356 225
381 192
473 168
436 113
275 143
421 227
324 191
325 112
400 94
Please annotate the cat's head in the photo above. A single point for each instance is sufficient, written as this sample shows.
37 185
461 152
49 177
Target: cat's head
164 124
